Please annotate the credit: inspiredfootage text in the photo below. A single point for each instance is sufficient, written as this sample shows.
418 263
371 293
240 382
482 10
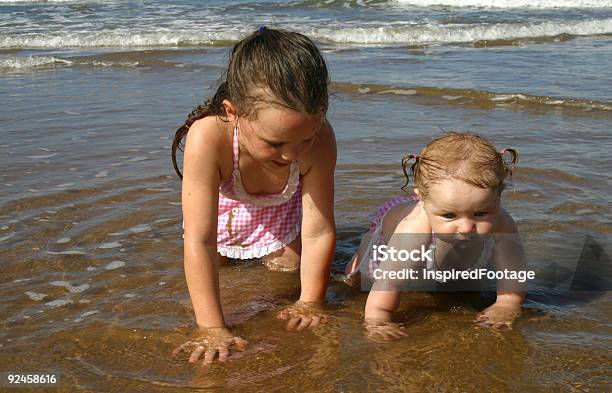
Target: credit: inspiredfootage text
520 276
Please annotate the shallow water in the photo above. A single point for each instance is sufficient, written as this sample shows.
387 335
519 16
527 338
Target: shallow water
90 219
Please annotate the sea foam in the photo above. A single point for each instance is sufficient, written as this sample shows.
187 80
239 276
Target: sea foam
365 33
541 4
456 33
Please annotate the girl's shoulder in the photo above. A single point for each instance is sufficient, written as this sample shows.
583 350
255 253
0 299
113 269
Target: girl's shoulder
210 137
209 129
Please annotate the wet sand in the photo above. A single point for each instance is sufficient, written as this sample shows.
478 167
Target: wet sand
91 247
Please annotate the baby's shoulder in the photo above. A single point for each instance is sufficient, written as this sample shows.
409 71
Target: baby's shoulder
406 218
505 223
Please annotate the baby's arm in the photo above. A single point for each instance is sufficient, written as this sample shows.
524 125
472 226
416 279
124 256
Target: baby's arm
384 299
378 316
508 255
381 305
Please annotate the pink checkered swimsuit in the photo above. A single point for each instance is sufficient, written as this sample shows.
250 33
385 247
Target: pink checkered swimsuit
252 226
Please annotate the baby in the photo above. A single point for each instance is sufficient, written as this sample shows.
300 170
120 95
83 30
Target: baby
456 223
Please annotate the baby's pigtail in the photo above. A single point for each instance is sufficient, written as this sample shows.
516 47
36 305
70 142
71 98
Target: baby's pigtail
405 162
509 164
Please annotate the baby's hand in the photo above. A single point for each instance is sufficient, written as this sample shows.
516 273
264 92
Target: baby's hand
302 315
381 331
211 341
500 315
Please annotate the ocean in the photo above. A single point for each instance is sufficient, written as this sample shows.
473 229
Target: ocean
92 281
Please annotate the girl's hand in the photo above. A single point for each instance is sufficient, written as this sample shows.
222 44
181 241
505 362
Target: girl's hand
211 341
381 331
302 315
500 315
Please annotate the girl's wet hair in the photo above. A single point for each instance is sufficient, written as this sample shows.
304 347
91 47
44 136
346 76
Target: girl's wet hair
460 156
270 66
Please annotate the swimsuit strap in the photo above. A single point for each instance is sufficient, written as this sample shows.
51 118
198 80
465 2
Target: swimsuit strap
236 149
234 188
431 263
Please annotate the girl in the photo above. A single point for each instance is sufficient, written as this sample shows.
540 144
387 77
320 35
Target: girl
459 178
258 171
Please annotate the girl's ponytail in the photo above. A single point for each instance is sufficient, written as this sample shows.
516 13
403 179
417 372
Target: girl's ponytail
212 107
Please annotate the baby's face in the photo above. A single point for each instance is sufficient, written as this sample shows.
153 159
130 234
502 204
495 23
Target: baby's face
279 135
458 210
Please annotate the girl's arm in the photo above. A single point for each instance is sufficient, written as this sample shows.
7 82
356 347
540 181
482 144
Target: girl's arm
200 198
318 225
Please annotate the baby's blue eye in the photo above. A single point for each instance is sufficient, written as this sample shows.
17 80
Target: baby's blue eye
449 215
481 214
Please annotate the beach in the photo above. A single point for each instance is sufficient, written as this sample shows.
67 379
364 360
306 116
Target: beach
92 282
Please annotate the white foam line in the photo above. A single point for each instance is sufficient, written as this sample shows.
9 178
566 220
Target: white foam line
68 252
6 237
399 92
125 38
434 33
114 265
110 245
43 156
58 303
36 296
17 62
511 3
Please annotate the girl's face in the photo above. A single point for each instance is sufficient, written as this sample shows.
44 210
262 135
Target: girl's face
279 136
459 210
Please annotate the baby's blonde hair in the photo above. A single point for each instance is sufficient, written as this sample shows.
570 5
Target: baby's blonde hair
460 156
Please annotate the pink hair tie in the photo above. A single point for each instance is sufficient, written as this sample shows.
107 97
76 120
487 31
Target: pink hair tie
406 159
